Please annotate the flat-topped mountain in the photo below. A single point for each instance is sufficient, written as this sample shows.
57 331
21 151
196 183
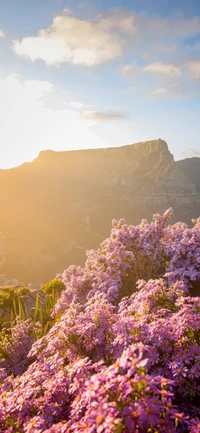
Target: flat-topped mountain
62 203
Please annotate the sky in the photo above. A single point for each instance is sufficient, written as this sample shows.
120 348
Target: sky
87 74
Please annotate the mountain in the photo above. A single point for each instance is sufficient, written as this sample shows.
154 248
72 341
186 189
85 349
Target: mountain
62 203
191 167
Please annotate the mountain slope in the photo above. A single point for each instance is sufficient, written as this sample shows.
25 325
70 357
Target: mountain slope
62 203
191 168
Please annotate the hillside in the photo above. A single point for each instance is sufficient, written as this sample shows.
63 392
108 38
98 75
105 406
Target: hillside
62 203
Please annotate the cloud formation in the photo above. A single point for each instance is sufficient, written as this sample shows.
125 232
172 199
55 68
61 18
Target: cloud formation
103 117
2 34
176 26
159 92
91 42
166 69
78 42
127 69
192 153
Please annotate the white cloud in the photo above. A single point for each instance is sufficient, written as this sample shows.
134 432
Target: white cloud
78 42
176 24
28 125
159 92
91 42
166 69
2 34
192 153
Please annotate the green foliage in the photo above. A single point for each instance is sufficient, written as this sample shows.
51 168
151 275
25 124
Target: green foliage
5 298
8 294
11 300
43 314
53 287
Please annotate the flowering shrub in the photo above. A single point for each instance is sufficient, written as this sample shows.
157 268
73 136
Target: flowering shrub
147 251
124 353
15 344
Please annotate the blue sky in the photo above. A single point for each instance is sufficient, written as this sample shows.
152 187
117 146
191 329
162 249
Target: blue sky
79 74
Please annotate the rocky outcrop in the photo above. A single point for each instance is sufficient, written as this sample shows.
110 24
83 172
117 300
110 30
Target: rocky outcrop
62 203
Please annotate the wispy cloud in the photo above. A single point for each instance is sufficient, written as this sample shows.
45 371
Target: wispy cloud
159 92
166 69
130 90
2 34
192 153
193 66
103 116
176 25
127 69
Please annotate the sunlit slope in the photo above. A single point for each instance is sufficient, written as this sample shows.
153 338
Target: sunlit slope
62 203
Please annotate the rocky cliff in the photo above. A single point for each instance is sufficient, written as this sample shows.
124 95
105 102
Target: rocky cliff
62 203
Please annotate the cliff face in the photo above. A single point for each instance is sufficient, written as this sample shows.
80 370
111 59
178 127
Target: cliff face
62 203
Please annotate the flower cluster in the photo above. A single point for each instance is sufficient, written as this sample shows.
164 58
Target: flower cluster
124 353
147 251
15 344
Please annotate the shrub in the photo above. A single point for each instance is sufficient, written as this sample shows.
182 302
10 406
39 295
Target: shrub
54 287
8 294
114 364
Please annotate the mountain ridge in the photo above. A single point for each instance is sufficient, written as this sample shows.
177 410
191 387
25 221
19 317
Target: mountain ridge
62 203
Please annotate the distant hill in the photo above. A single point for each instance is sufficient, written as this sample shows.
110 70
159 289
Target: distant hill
62 203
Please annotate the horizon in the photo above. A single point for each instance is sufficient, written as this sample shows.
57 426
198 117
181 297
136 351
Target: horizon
84 75
94 148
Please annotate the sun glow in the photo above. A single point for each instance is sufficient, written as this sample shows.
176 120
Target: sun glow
35 126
